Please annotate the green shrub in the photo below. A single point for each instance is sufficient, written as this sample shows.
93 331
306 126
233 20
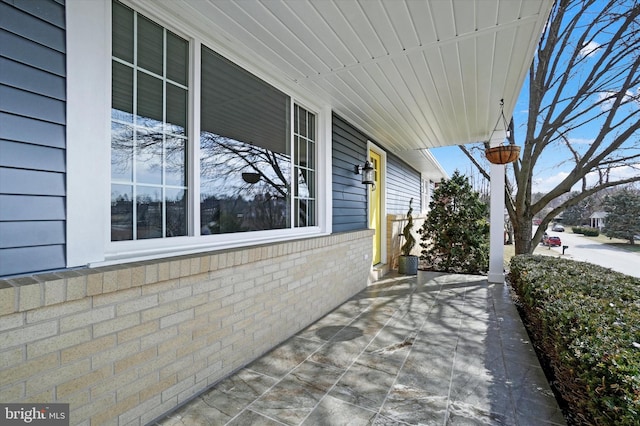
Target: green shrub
591 232
586 321
586 230
577 229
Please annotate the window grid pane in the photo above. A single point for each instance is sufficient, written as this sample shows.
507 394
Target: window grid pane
148 155
304 168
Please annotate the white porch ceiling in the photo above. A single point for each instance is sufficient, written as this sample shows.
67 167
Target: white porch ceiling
412 74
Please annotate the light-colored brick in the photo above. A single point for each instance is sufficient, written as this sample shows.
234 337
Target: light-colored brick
9 358
8 303
140 410
116 324
164 271
155 365
84 382
84 319
177 388
30 297
111 356
57 311
29 368
86 350
192 302
158 337
172 345
136 386
151 273
44 382
138 304
94 284
58 342
110 281
13 393
157 387
174 294
27 334
134 360
159 311
11 321
160 287
79 415
76 288
124 278
55 292
174 269
116 297
112 413
137 276
138 331
110 386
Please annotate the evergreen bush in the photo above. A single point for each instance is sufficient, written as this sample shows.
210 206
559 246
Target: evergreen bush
455 234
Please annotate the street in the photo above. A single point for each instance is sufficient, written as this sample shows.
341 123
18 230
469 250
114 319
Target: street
585 249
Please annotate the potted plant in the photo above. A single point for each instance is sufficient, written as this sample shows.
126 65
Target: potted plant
408 263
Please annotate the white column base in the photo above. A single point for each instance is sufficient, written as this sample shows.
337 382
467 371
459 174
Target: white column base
496 278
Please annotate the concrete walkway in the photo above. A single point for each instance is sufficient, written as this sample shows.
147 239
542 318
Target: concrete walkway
435 349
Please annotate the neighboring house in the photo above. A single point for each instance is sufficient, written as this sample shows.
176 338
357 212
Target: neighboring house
177 178
597 220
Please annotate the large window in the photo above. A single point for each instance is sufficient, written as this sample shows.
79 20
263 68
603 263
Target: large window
245 160
257 148
148 129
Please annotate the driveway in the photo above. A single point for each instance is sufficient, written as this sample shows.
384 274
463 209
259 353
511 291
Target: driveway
585 249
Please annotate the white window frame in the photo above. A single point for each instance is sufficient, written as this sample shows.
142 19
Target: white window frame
89 146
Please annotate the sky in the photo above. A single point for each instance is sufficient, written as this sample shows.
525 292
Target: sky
553 166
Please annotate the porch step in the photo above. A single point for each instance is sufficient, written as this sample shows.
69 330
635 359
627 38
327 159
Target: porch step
378 271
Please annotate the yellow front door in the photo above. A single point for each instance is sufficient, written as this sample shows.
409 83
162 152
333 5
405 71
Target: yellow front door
375 208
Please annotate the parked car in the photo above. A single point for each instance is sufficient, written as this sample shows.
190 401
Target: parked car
558 228
552 242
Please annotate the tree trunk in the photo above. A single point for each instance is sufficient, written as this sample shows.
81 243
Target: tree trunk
522 233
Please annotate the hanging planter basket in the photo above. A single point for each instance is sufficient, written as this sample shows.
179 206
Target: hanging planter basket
502 154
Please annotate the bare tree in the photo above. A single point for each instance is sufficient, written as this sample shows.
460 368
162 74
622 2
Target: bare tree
586 72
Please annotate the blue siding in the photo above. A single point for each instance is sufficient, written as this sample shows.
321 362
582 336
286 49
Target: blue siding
349 194
403 183
32 136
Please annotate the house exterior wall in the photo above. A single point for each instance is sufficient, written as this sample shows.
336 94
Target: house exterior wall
403 184
349 148
125 344
32 136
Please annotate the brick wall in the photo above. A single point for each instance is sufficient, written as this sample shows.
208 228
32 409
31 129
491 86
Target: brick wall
125 344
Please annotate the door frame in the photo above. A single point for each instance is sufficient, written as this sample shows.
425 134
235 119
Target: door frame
383 198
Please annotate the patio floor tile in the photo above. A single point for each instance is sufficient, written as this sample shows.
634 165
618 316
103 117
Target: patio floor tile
436 349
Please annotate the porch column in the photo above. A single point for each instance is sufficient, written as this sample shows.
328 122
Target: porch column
496 238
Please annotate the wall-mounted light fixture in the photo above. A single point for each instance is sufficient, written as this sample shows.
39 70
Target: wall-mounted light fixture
367 171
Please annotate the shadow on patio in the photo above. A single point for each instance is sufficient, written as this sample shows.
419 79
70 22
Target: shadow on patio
436 349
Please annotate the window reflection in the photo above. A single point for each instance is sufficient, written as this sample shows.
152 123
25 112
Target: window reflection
245 160
148 130
243 187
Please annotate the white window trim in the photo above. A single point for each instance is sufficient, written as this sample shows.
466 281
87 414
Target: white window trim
89 151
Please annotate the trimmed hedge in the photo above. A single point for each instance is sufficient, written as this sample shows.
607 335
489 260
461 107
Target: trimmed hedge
586 321
586 230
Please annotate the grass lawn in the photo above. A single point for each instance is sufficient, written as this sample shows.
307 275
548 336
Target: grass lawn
616 242
510 251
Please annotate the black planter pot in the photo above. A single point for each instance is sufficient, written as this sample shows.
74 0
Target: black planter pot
408 265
